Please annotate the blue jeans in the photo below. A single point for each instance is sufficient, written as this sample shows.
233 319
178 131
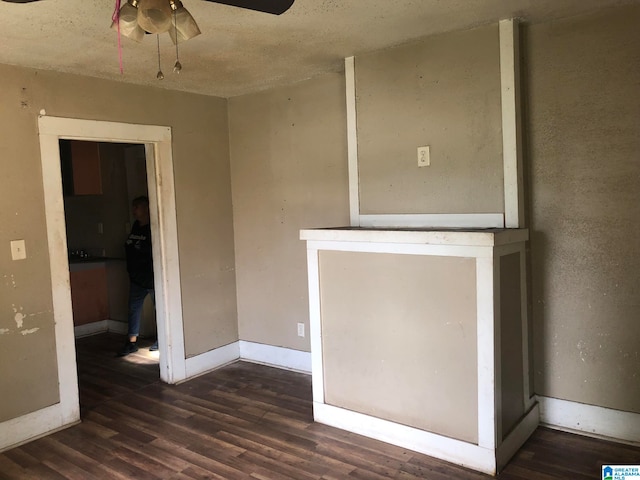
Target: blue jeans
137 294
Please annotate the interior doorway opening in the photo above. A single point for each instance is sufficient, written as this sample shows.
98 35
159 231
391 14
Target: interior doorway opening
99 182
157 141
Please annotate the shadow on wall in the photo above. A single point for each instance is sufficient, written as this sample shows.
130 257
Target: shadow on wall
538 255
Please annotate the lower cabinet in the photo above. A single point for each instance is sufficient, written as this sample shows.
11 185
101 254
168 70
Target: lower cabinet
89 294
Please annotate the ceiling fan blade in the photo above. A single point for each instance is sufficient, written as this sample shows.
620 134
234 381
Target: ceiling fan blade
275 7
19 1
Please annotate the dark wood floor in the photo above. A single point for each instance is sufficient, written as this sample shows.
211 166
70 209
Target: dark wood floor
246 421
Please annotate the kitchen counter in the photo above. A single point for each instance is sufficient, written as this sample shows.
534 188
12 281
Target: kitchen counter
77 264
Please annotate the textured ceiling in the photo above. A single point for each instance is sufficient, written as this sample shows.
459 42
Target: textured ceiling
241 51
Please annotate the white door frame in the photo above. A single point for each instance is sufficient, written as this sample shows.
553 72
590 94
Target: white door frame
157 141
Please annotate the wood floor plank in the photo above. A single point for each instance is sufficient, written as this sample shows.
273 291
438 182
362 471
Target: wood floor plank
247 421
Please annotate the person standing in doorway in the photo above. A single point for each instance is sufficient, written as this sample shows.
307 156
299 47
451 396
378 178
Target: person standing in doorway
140 269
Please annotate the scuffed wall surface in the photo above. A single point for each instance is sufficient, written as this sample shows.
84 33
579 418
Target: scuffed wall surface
28 378
289 171
584 118
28 365
443 91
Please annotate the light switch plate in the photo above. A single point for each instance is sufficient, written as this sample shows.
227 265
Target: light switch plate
18 250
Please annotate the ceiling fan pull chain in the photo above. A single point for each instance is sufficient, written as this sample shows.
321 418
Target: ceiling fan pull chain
177 68
116 19
160 75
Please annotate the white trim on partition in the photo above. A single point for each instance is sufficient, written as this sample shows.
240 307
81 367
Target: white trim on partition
443 237
486 346
511 124
434 220
406 249
446 448
352 141
280 357
589 419
205 362
315 324
523 430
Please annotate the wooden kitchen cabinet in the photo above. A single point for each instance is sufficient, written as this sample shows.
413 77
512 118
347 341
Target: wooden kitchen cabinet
89 293
81 170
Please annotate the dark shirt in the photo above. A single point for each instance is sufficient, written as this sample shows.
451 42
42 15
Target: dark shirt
139 256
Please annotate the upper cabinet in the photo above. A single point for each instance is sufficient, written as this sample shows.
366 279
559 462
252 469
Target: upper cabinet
81 172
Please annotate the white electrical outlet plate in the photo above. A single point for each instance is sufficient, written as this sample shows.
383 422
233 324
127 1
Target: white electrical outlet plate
18 250
301 329
424 157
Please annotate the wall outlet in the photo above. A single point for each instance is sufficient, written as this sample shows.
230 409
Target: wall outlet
301 329
100 228
424 157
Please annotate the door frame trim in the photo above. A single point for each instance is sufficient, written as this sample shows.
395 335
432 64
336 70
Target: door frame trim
159 160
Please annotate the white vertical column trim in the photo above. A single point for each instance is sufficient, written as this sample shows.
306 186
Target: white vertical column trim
352 141
173 367
69 410
315 324
511 126
486 353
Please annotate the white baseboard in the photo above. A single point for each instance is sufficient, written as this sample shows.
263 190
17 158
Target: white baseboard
520 434
281 357
40 423
590 419
253 352
212 359
100 327
449 449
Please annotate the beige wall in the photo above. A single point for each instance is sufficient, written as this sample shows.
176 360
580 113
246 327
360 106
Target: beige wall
289 171
288 155
203 197
443 91
581 150
584 157
399 339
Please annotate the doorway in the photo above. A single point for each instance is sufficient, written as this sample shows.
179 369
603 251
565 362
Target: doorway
99 183
159 165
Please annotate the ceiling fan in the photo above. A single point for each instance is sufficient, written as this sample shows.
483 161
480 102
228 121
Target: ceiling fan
136 18
274 7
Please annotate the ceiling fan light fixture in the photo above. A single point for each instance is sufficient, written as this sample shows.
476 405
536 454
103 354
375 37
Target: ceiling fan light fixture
128 18
154 16
184 26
